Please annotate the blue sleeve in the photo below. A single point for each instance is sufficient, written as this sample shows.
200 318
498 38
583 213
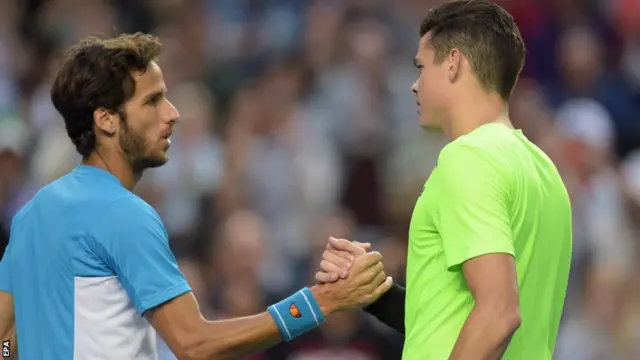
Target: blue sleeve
5 278
138 252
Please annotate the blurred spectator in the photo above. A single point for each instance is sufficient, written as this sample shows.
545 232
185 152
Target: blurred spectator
236 262
595 335
630 171
15 187
583 73
287 172
602 233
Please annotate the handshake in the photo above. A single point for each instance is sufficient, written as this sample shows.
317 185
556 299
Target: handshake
349 276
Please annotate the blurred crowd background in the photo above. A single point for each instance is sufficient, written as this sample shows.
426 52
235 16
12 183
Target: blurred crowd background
298 123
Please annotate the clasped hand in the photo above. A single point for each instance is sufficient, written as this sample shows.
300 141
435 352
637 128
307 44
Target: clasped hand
354 276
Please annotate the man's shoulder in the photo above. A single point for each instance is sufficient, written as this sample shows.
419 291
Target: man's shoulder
129 200
493 149
22 212
72 188
469 153
68 198
130 207
103 195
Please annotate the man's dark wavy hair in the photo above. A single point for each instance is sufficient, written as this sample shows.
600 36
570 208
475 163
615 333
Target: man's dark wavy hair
97 73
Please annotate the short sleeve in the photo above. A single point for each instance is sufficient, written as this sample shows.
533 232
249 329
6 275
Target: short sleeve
5 278
138 252
473 211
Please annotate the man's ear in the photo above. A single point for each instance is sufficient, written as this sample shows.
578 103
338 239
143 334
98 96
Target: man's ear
105 121
454 60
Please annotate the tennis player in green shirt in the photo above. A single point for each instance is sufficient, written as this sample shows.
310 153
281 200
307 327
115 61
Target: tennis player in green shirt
490 236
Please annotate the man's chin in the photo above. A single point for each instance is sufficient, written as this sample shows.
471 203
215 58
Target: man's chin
157 164
430 126
161 160
154 162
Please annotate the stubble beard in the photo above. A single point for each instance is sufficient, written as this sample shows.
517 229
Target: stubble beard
135 149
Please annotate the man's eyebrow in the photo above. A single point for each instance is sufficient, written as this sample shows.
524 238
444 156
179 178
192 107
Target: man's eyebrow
154 95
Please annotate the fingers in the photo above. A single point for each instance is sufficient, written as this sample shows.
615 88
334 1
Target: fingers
341 259
369 275
378 276
342 254
366 246
348 246
327 266
326 278
382 288
366 261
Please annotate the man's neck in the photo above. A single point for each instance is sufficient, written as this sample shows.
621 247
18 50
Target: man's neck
472 111
117 166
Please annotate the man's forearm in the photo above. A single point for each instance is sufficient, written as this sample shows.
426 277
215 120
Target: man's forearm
485 335
390 308
234 338
239 337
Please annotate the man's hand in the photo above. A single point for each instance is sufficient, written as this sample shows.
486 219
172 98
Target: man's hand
366 282
338 259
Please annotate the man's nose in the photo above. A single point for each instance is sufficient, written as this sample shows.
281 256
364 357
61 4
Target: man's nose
173 114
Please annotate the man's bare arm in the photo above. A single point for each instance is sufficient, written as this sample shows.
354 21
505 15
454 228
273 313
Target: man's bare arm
495 317
7 319
190 336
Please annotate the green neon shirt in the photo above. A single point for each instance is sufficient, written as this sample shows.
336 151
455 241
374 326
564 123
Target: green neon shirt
492 191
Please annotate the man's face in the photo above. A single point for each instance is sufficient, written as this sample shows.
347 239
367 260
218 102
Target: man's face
147 121
431 86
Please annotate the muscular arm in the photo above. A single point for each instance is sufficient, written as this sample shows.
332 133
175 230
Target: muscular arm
389 308
475 225
190 336
495 316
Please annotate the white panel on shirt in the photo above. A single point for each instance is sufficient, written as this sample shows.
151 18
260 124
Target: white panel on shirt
106 324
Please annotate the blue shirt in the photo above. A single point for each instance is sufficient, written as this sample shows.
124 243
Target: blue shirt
86 259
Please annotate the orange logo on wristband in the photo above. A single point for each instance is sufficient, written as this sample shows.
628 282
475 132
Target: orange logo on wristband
293 310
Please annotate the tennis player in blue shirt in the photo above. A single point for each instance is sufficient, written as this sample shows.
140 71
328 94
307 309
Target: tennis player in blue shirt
88 268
